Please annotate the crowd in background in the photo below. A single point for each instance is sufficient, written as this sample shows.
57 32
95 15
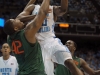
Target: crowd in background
98 1
83 8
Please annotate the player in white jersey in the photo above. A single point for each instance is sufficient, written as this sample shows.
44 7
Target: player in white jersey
52 46
8 63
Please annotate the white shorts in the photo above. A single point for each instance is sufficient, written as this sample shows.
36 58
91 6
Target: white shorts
53 51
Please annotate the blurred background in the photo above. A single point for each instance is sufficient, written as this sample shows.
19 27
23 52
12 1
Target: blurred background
81 24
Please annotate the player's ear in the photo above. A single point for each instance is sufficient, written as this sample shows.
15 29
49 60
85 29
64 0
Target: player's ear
1 50
15 28
74 48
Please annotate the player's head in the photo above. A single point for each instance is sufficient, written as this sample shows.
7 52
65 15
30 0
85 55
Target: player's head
13 25
5 49
71 45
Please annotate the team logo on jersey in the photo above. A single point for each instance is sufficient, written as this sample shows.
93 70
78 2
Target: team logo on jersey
76 62
12 63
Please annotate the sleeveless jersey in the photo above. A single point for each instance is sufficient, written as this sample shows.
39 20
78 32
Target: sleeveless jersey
28 55
8 67
62 70
47 28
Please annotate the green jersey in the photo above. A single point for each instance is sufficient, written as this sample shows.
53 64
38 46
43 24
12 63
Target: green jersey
62 70
28 55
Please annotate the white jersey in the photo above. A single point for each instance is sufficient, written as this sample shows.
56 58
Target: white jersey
52 49
47 28
8 67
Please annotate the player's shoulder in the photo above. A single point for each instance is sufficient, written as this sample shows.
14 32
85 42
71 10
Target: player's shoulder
81 58
13 57
78 58
1 58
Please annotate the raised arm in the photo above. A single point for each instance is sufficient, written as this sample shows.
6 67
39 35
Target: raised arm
35 24
60 10
25 14
64 5
86 67
29 3
97 72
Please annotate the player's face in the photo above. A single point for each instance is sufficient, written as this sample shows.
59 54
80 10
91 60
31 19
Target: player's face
5 49
17 24
70 45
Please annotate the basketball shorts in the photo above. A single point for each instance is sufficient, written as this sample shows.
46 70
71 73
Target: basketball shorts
53 48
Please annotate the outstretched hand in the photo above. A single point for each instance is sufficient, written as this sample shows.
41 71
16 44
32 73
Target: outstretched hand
30 2
97 72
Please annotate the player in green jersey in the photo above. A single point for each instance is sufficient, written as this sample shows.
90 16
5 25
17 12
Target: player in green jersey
68 58
80 63
23 42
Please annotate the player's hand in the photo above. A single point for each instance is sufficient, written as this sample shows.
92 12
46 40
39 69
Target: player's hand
97 72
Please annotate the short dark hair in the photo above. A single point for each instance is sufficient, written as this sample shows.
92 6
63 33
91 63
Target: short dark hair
8 28
74 43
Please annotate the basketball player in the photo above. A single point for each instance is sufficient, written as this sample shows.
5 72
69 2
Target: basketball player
8 63
25 46
50 45
80 63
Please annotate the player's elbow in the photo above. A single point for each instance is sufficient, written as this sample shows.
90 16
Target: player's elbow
64 10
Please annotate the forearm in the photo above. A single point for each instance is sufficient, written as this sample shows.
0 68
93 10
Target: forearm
27 18
30 2
97 72
37 22
45 6
64 5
